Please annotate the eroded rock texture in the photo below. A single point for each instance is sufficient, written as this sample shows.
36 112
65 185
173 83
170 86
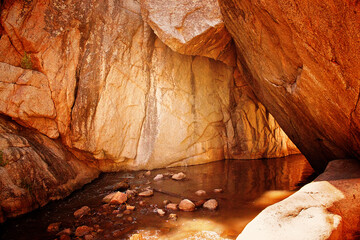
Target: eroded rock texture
191 27
117 96
35 169
327 208
301 59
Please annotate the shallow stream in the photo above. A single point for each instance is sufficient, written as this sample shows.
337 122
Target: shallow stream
248 187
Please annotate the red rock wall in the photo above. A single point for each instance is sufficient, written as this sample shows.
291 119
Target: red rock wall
302 60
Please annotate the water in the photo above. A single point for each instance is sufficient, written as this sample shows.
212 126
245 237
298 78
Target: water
248 187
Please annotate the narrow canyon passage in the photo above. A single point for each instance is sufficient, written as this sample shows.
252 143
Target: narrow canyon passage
248 186
95 94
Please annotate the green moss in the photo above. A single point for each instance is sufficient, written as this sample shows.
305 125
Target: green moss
3 162
26 61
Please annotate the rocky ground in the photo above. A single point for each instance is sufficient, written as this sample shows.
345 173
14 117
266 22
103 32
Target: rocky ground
120 205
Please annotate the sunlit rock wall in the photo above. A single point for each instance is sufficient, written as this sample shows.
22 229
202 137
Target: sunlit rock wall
118 97
302 60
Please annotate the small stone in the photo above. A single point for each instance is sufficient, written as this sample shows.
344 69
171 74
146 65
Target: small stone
158 177
116 212
172 206
108 197
119 198
82 231
131 193
161 212
142 203
120 215
89 237
127 212
211 204
148 173
179 176
66 231
200 193
218 190
121 185
117 233
105 206
81 212
173 217
166 202
200 203
136 237
128 207
54 227
147 193
130 219
65 237
187 205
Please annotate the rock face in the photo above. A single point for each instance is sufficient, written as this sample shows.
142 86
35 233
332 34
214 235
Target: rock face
327 208
115 94
191 27
304 66
35 169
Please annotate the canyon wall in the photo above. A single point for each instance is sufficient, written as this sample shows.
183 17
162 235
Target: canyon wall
95 89
95 75
302 60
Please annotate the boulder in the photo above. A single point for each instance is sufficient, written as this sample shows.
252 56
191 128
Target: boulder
190 27
327 208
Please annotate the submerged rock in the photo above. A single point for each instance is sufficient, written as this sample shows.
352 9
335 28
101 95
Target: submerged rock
66 231
186 205
81 212
200 193
172 206
147 193
118 198
179 176
121 186
83 230
211 204
161 212
54 227
158 177
108 197
173 216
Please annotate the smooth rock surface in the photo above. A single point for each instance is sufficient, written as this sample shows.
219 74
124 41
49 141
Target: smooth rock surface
327 208
304 66
191 27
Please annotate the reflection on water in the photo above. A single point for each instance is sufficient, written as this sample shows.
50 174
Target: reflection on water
249 186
